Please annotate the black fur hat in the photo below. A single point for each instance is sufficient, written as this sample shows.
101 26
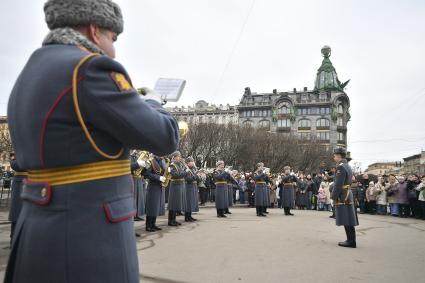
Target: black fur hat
68 13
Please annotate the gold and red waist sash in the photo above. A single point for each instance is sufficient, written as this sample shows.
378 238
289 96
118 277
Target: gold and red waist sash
80 173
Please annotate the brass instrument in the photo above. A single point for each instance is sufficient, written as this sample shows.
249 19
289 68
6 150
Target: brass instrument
183 128
167 175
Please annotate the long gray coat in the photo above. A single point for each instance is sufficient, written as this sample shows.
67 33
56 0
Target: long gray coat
177 190
288 191
262 196
82 231
345 211
139 196
221 189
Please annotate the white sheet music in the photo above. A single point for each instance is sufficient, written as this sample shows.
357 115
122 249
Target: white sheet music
170 89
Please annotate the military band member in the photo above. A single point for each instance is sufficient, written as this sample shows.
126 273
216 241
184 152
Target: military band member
177 194
221 179
137 171
155 196
16 202
261 190
76 222
287 187
345 211
192 180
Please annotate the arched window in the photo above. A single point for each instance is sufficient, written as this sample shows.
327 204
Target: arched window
321 123
340 109
304 123
265 125
247 123
283 109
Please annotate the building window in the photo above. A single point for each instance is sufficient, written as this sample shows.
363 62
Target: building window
340 122
321 123
265 125
323 136
283 110
304 123
340 109
284 123
247 123
325 110
304 135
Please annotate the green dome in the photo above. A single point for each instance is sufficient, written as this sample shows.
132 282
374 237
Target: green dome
326 78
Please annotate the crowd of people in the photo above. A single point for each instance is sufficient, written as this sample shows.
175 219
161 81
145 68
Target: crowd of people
399 196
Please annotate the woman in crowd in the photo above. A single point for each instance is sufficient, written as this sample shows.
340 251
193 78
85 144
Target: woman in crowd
402 199
392 192
381 198
421 189
371 198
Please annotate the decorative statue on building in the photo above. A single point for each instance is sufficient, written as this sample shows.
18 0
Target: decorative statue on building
327 78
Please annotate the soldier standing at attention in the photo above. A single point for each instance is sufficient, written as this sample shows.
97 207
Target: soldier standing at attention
137 171
177 195
261 191
73 118
16 201
345 211
192 180
221 178
287 187
155 196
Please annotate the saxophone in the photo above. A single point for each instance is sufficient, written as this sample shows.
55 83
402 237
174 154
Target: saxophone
144 155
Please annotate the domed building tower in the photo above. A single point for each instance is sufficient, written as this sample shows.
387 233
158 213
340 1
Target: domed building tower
320 114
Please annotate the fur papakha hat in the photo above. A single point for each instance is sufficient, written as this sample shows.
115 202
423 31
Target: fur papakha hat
68 13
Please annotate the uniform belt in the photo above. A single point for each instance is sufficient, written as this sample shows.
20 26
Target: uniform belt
261 182
136 176
221 183
346 186
288 184
177 180
21 173
80 173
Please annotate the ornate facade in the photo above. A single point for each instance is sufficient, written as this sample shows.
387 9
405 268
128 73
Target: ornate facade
321 114
203 112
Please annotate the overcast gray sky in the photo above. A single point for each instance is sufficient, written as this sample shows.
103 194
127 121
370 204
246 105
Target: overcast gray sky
222 46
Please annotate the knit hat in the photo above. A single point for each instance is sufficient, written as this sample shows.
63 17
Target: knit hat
68 13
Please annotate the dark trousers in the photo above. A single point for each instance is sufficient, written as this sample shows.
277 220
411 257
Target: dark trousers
371 207
203 194
404 210
362 206
422 206
415 209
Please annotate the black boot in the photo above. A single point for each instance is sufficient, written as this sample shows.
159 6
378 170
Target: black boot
218 213
154 224
257 208
175 216
222 213
227 211
350 231
149 224
171 218
265 210
191 218
187 217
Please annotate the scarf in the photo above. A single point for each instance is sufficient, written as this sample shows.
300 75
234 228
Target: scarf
69 36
